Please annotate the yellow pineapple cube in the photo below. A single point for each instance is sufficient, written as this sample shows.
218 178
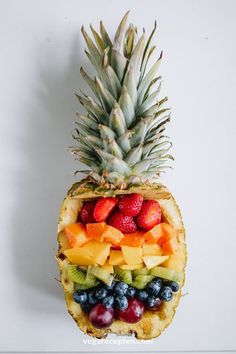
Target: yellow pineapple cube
108 267
153 261
132 255
151 249
116 257
131 267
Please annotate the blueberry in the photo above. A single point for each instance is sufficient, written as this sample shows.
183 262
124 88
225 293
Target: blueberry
131 291
111 286
108 301
153 301
100 293
91 298
121 288
121 302
86 307
142 295
173 285
80 297
154 287
166 293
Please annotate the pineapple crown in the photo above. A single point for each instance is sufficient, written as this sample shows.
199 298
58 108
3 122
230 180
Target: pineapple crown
121 138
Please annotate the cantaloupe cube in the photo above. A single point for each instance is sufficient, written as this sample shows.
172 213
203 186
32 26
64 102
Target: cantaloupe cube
95 230
79 256
132 255
76 234
154 234
153 261
167 233
170 246
112 235
135 239
116 257
131 267
152 250
99 250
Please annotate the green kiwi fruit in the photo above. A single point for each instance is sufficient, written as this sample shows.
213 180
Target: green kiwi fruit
166 273
101 274
141 281
141 271
124 275
78 276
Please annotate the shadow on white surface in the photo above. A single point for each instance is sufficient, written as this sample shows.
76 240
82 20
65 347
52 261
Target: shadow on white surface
46 173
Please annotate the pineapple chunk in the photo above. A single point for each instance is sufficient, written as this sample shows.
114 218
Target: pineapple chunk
150 249
153 261
116 258
99 250
177 260
79 256
131 267
132 255
108 267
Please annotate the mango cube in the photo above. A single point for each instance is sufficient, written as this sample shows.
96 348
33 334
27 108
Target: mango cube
79 256
100 251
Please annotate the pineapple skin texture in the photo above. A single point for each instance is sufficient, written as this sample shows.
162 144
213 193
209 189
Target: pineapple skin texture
152 323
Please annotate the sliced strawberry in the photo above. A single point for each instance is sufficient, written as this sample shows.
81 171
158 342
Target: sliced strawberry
124 223
86 212
150 215
103 208
131 204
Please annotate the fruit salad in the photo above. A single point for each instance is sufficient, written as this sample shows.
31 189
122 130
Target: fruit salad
124 258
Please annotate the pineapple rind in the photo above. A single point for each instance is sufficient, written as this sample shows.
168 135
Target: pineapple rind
152 323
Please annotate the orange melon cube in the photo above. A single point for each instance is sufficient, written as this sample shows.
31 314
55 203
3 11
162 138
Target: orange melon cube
112 235
135 239
76 235
167 233
170 246
153 235
95 230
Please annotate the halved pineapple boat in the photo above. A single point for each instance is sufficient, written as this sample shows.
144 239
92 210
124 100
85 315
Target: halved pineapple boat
153 322
121 238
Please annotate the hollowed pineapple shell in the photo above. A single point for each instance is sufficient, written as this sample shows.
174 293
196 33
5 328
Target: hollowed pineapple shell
153 322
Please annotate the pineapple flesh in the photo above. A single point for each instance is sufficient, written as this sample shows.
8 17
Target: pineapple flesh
121 139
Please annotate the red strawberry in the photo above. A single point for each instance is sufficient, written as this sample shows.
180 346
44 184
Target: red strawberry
122 222
86 212
103 208
131 204
150 215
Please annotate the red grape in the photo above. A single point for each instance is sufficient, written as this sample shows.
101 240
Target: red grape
100 317
133 313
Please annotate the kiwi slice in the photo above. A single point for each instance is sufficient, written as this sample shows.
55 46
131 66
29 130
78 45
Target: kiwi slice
78 276
141 281
141 271
124 275
166 273
101 274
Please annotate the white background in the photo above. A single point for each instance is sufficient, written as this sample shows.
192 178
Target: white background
41 53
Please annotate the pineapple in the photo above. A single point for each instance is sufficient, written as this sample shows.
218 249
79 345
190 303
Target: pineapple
122 141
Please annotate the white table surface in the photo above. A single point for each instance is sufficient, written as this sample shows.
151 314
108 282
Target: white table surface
41 53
